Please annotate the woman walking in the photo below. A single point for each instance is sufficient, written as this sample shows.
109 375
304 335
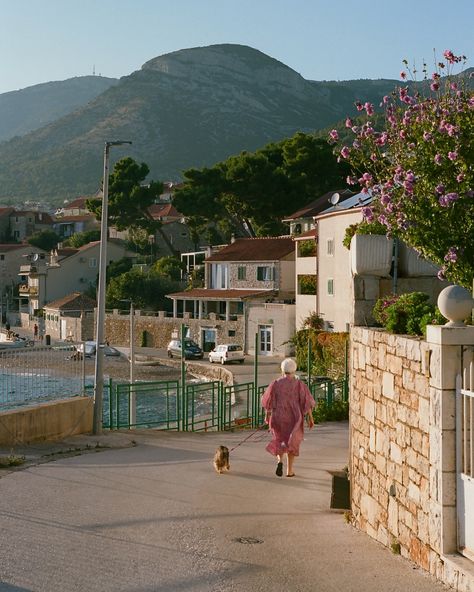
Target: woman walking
286 401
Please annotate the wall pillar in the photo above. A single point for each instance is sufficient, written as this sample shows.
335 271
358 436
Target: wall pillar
446 350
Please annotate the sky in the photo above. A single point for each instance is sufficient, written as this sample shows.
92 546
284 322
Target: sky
45 40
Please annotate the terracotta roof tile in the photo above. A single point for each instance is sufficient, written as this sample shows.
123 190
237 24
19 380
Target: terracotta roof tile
255 249
305 235
75 301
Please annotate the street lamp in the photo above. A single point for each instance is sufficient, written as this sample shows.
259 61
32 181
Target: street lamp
100 342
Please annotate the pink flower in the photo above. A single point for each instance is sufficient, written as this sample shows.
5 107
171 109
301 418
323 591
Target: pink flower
460 177
434 86
453 155
403 75
369 108
351 180
359 106
427 136
345 152
349 123
333 135
438 159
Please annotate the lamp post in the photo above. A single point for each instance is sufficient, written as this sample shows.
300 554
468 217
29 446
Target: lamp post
100 342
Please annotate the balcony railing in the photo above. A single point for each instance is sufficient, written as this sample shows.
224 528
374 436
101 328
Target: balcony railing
28 290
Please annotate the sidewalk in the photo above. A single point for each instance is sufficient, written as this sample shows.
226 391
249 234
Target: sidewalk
156 517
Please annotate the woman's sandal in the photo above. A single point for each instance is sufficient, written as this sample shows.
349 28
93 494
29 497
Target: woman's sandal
279 470
291 475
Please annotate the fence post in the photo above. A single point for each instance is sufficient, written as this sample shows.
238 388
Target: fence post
255 384
183 378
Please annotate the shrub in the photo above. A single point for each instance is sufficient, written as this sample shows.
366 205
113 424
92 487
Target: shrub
337 411
407 314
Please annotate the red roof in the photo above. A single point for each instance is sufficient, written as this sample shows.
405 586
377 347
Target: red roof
256 249
6 211
73 302
79 202
162 210
79 218
220 294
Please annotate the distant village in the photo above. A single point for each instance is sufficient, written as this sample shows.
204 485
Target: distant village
267 286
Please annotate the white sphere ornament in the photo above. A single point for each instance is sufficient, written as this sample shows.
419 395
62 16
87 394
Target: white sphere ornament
456 304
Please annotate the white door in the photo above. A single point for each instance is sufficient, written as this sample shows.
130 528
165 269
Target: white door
465 465
63 329
265 333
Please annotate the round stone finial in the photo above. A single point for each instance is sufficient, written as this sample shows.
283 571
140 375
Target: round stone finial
456 304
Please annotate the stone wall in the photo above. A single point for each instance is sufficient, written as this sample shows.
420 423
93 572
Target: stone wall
390 451
158 330
403 445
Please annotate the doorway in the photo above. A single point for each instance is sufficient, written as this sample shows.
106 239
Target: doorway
208 339
265 334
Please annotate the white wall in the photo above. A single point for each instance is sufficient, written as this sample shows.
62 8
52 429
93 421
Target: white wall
336 308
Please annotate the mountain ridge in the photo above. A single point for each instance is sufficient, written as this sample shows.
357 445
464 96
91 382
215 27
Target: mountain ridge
189 108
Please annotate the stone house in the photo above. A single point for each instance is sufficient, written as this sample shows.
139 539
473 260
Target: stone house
24 224
70 318
306 277
5 233
249 289
65 271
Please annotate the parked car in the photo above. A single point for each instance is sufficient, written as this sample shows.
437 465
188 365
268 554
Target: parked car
227 352
91 347
192 351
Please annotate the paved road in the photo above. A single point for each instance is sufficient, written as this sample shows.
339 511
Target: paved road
156 517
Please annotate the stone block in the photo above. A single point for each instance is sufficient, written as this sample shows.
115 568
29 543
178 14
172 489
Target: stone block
444 365
393 516
434 527
372 439
435 484
424 414
422 522
448 450
396 453
449 530
381 464
448 488
413 492
408 380
394 364
369 410
388 386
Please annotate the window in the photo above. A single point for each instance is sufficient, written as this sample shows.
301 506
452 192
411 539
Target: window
265 274
92 262
330 246
2 257
331 287
218 276
241 273
231 333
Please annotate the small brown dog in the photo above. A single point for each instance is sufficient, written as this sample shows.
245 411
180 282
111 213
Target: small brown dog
221 459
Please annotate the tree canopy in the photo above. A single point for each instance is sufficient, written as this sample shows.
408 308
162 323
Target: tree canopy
420 168
129 198
45 239
257 189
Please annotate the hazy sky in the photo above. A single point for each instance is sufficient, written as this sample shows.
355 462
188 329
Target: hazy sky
44 40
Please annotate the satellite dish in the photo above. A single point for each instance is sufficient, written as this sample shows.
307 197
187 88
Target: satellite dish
334 199
35 257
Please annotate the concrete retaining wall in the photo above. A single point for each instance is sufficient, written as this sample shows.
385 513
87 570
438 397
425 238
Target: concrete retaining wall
47 421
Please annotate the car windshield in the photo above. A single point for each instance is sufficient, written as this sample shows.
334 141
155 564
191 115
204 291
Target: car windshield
190 344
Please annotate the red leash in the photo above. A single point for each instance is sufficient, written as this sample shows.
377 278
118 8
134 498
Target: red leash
249 436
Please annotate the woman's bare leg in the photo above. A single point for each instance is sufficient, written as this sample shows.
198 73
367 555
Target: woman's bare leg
289 469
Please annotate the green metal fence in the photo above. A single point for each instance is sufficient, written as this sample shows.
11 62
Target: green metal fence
198 406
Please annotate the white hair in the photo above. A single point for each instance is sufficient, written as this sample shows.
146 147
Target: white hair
288 366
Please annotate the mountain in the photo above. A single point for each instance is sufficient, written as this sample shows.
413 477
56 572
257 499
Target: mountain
189 108
28 109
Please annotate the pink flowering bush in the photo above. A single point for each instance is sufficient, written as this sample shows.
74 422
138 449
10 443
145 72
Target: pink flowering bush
420 168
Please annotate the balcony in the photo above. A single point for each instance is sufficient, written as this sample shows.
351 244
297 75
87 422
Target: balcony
25 290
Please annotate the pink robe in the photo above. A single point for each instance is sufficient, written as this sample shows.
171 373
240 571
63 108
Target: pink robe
289 400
